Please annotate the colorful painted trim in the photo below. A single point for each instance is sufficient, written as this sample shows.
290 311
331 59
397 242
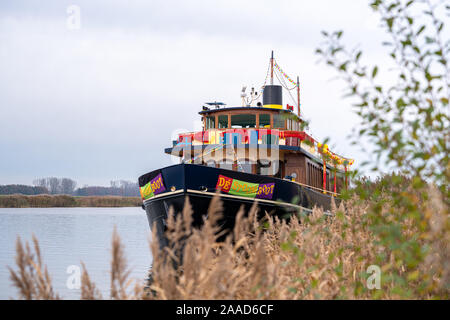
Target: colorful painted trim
245 189
273 106
154 187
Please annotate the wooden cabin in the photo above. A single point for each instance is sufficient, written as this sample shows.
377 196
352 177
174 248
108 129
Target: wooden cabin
261 140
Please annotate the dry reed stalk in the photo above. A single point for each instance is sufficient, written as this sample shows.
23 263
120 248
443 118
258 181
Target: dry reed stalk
316 258
309 257
119 269
89 290
32 279
438 261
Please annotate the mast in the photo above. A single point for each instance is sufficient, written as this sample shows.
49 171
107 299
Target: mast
298 96
271 69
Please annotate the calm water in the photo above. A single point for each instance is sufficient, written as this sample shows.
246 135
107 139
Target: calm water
70 235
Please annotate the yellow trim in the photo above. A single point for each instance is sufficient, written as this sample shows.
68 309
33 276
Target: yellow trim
273 106
246 198
231 196
255 199
171 193
319 189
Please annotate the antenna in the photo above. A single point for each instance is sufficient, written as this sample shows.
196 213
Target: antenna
298 96
271 69
253 96
216 104
243 95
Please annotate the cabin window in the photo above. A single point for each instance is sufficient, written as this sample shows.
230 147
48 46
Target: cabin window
226 165
243 121
210 122
268 168
278 121
264 120
244 167
262 167
289 124
222 121
270 139
211 163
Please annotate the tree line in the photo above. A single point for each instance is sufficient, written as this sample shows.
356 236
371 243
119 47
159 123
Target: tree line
53 185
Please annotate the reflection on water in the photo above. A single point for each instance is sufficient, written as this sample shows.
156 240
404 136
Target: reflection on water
70 235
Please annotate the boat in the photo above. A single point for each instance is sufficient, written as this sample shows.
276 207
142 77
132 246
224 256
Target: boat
257 152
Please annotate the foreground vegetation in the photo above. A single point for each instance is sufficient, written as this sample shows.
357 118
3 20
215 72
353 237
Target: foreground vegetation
47 201
311 257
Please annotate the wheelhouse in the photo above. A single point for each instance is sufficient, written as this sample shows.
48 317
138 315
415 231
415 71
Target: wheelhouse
260 140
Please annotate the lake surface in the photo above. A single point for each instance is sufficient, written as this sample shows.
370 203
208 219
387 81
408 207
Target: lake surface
70 235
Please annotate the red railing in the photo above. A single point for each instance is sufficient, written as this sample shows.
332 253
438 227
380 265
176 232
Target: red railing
245 136
204 136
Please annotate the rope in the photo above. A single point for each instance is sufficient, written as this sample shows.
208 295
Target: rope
285 75
284 86
320 189
283 83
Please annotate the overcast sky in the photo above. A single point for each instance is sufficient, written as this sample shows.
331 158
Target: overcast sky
101 102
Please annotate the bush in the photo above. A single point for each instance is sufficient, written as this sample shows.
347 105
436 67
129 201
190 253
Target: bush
47 201
311 257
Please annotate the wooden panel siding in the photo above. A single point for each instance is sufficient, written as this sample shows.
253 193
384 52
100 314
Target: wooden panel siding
296 163
314 175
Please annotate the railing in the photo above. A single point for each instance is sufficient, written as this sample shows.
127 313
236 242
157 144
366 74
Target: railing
334 194
262 136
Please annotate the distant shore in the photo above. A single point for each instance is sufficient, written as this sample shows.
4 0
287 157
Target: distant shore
50 201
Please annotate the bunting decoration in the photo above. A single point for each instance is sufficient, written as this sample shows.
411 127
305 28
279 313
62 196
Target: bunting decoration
323 149
284 74
217 137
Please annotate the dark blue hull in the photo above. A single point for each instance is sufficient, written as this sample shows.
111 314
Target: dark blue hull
199 184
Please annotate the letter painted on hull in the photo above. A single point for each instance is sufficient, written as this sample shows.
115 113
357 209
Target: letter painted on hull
245 189
265 191
154 187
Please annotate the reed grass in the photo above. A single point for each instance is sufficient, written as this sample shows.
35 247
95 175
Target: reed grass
47 201
308 257
32 278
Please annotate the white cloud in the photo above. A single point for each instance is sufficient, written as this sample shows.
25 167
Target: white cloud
101 102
